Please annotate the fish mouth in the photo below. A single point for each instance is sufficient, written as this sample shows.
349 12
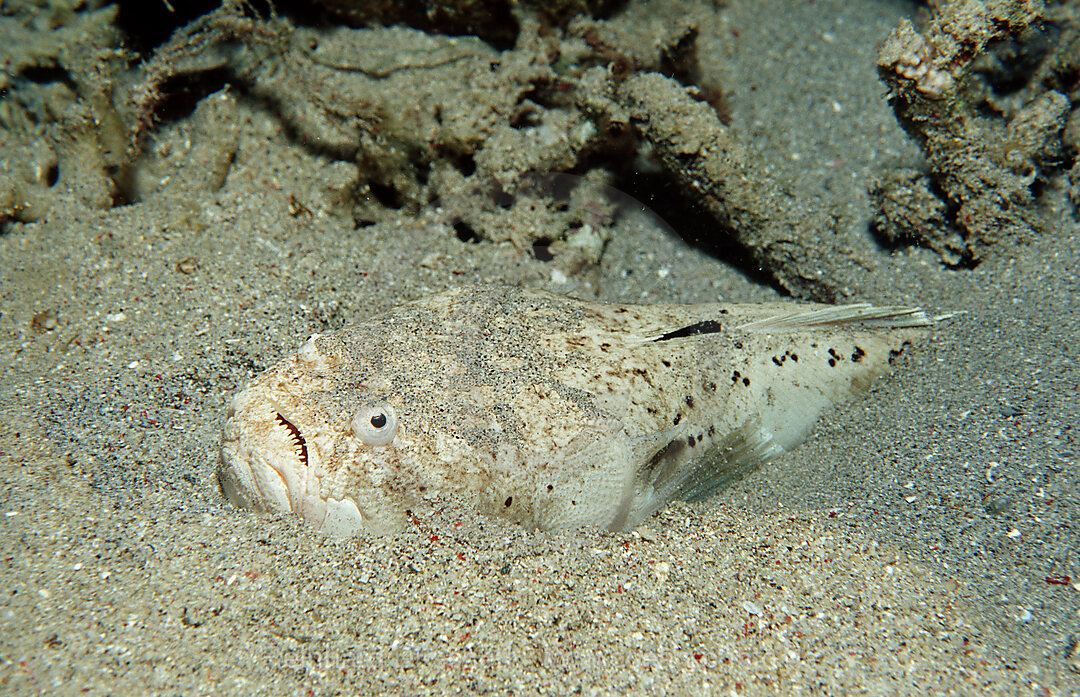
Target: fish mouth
265 458
267 465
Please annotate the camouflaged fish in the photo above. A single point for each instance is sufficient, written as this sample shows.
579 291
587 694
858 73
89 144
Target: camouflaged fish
552 412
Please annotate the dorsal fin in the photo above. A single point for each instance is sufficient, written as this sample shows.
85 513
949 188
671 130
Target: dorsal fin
863 315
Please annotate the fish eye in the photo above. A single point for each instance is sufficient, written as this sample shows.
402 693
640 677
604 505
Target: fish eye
375 425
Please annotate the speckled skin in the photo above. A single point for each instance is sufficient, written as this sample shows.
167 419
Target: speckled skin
553 412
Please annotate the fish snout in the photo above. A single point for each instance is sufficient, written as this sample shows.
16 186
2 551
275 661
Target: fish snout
274 459
264 457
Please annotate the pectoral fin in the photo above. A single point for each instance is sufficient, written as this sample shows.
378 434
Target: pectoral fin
737 454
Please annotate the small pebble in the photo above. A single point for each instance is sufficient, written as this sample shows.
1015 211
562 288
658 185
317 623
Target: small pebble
44 321
647 534
1072 654
752 608
188 265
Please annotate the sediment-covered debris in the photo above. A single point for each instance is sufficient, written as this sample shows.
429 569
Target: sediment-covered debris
60 135
404 119
987 156
709 160
481 129
513 134
492 20
908 211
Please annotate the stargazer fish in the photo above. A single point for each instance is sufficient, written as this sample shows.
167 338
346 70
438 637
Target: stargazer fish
549 411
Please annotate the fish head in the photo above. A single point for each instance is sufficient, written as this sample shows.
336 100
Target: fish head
307 438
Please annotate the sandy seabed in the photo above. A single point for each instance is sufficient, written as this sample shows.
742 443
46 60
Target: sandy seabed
924 540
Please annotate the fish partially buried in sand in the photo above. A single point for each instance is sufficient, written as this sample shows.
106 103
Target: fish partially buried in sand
552 412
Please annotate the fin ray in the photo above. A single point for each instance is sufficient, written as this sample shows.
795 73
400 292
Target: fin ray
862 315
739 453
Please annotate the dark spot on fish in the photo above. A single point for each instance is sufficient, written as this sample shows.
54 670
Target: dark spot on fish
834 354
696 329
777 361
509 500
651 410
667 363
666 459
691 441
711 431
795 357
737 344
710 386
746 382
832 362
423 489
605 347
677 419
858 354
723 312
735 376
550 487
689 401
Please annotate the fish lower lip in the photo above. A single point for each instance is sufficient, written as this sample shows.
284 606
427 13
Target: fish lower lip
249 481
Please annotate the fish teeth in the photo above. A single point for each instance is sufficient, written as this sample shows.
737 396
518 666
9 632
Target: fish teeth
298 442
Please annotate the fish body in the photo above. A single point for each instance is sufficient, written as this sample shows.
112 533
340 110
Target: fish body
553 412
